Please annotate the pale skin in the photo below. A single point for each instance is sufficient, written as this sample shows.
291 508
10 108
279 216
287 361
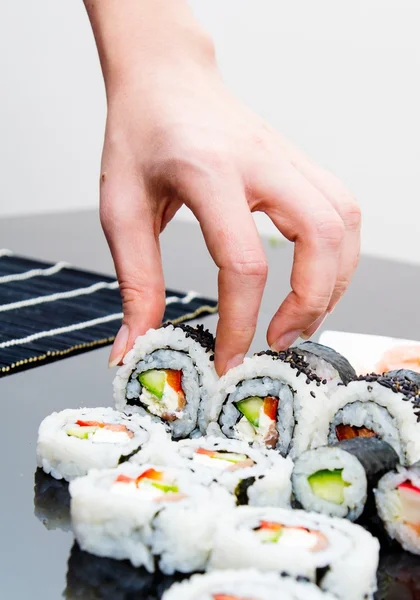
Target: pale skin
175 135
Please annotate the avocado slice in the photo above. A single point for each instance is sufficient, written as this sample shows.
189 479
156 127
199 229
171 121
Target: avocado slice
232 457
166 487
250 408
154 381
328 485
270 536
81 432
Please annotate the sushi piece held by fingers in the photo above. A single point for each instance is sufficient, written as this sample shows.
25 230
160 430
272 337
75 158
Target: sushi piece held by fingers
75 440
244 585
327 363
255 475
398 503
150 515
336 480
329 552
383 406
169 375
259 400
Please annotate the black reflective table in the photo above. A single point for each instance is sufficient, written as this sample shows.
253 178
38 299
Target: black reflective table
383 299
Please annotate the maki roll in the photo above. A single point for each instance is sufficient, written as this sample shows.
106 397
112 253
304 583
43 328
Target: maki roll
327 364
75 440
147 514
335 480
52 501
169 375
330 552
256 476
243 585
258 401
383 406
398 503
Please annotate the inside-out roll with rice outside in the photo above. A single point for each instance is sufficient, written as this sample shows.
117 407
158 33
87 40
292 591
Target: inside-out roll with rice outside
169 374
73 441
244 585
259 400
384 406
153 516
254 475
336 480
398 503
338 555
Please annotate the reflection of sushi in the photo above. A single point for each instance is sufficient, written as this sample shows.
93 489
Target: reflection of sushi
94 578
142 512
168 374
73 441
398 503
52 501
384 406
335 480
340 556
398 577
243 585
256 476
259 400
327 363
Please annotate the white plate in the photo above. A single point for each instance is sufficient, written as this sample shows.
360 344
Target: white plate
374 353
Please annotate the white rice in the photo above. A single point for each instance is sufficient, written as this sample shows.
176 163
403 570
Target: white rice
389 507
170 348
66 457
351 557
130 524
353 473
271 472
245 584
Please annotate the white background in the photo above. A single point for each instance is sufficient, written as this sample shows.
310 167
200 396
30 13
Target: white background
338 78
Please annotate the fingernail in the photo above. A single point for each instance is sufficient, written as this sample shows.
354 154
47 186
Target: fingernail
286 340
234 362
119 346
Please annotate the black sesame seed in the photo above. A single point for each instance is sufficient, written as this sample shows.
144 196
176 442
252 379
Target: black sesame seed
312 394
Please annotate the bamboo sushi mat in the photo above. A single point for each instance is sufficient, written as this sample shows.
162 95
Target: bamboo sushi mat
50 311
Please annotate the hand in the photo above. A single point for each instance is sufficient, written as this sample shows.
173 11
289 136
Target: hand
175 135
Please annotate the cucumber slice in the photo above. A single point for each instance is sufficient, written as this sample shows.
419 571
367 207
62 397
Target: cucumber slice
232 457
166 487
250 408
154 381
270 536
81 432
328 485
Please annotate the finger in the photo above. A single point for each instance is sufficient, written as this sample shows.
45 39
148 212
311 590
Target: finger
128 224
235 246
349 211
305 217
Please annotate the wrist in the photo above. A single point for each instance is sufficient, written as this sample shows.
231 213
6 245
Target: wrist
136 38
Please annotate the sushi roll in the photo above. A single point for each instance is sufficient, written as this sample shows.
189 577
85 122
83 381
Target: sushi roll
327 364
384 406
169 375
335 480
259 400
338 555
52 501
91 577
243 585
398 503
256 476
152 516
75 440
